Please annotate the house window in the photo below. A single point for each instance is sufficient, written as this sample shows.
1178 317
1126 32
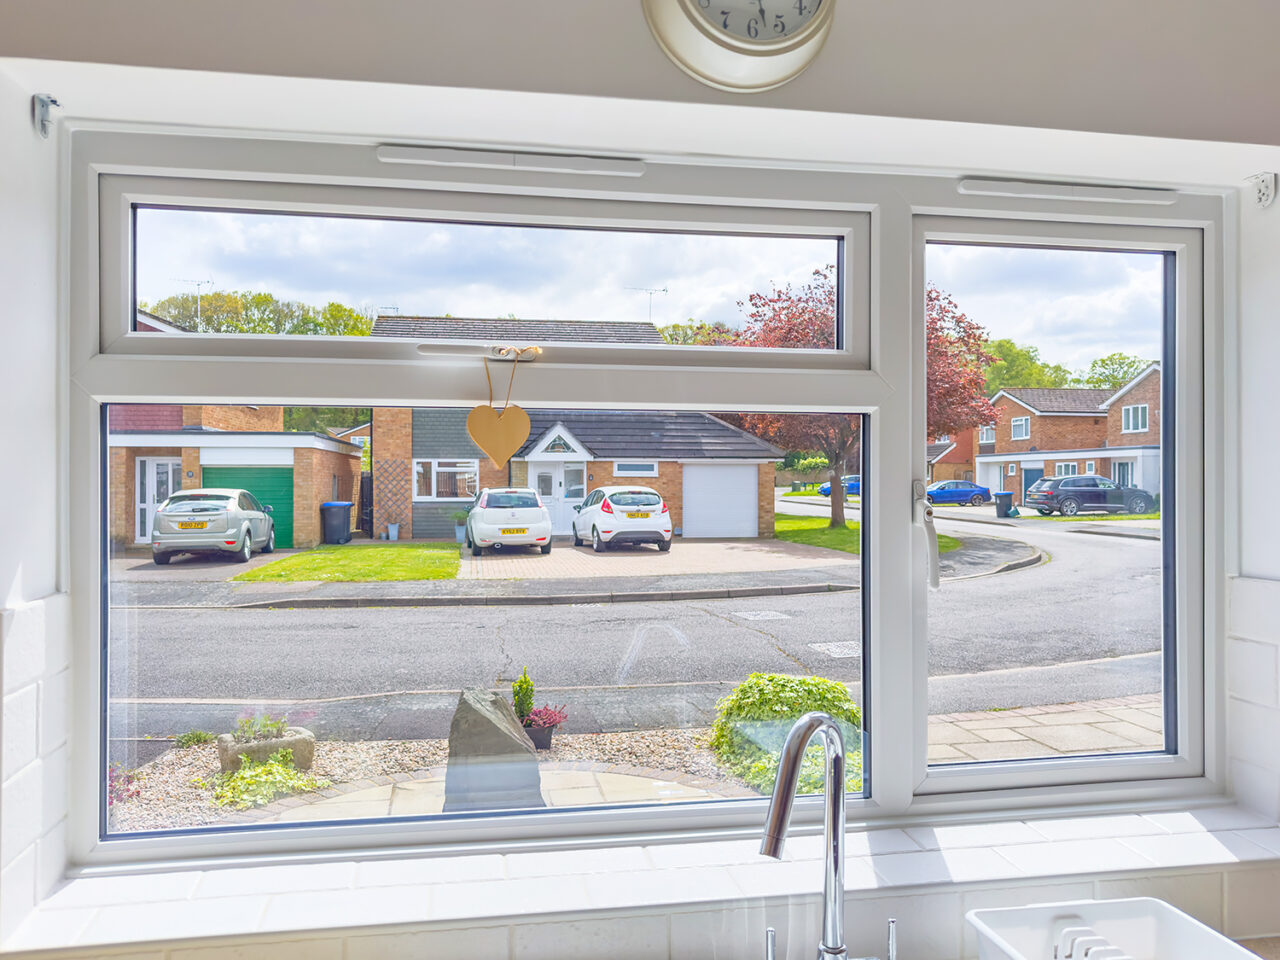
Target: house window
1020 428
1065 469
1133 419
1012 469
1088 466
635 468
720 495
559 444
445 479
987 434
943 438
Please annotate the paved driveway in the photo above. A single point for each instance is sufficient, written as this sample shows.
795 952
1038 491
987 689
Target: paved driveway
138 567
685 557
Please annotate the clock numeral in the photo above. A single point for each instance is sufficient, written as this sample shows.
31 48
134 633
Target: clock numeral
725 22
801 8
753 28
779 26
705 4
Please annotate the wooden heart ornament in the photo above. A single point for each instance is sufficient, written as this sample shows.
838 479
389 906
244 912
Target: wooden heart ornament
499 435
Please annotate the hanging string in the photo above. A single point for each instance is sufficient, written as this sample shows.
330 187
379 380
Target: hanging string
517 353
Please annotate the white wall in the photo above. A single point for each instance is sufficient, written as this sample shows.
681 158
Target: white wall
33 616
1176 68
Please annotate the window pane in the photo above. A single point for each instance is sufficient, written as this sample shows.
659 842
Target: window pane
281 274
1053 643
392 711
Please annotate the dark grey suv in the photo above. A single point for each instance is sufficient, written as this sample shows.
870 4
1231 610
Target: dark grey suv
1084 494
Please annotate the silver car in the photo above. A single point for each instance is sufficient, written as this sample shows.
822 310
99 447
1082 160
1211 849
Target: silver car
212 520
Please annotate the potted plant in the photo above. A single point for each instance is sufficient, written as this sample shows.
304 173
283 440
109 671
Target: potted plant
541 723
460 525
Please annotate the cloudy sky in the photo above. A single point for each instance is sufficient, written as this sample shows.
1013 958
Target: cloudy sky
1074 306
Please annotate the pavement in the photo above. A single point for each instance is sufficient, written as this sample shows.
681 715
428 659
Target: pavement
692 570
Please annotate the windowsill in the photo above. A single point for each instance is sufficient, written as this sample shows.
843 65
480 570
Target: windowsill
301 899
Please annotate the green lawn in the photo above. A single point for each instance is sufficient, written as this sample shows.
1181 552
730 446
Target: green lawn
1030 511
817 532
357 562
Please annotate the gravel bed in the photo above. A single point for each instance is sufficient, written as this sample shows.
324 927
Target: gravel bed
170 797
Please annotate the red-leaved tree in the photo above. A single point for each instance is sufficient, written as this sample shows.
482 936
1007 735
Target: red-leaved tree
806 317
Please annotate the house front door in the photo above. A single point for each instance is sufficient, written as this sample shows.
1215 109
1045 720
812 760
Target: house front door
1029 476
156 478
562 486
1122 473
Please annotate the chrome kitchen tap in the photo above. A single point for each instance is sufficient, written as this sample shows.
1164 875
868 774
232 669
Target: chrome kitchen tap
779 817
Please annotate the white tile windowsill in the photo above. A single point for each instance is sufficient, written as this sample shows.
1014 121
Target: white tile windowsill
204 905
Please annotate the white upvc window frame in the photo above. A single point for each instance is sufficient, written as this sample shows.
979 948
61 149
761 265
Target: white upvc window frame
878 371
987 434
1129 414
1066 468
470 466
1011 470
1014 423
626 468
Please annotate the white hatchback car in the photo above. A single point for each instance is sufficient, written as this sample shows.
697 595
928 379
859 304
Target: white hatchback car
508 517
623 515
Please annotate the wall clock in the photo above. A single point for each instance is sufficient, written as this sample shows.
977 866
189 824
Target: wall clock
745 46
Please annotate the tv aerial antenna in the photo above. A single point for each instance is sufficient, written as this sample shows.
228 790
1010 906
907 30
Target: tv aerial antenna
650 291
198 284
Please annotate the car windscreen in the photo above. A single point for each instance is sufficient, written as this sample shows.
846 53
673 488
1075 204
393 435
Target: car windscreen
634 498
511 501
1038 485
185 501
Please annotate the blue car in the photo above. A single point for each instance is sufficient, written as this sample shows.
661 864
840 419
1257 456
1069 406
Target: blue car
958 491
852 486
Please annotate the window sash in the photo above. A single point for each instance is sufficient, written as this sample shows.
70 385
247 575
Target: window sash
107 364
451 471
1134 418
1020 428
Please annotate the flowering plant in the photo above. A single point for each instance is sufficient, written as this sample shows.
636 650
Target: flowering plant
546 716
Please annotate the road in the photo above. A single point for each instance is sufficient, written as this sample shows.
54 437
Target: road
1085 625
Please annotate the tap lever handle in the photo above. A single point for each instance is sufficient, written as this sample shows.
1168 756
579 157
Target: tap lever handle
770 944
893 940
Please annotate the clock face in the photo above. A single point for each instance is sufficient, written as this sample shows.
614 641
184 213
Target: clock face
758 21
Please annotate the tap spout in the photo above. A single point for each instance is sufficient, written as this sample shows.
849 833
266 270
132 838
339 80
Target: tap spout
778 818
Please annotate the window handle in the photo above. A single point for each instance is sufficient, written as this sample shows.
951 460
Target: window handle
924 518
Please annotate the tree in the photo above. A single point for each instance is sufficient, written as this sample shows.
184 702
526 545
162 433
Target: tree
789 316
694 333
1017 366
321 419
1112 371
247 311
956 361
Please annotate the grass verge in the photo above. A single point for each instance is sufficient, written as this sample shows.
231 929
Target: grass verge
818 532
350 563
1094 517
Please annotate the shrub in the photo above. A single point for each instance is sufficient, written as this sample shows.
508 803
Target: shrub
193 737
459 517
261 726
256 784
546 716
812 464
122 784
522 695
752 723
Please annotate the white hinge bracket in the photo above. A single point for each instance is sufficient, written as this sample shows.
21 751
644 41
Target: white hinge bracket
41 104
1264 185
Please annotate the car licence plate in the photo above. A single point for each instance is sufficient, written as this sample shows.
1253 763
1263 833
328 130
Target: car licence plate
637 516
514 531
192 525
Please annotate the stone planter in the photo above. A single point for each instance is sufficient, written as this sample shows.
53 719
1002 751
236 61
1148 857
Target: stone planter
298 739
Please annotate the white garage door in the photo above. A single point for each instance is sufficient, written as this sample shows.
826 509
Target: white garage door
720 500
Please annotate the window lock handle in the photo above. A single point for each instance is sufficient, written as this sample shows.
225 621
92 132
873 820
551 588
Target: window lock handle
923 518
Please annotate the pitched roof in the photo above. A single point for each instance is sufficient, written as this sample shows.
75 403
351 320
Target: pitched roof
651 434
1151 368
1058 399
524 331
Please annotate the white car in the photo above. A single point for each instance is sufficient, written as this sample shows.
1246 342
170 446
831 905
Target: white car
508 517
623 515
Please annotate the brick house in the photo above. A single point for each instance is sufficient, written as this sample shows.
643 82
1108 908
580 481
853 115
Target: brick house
1068 431
156 449
952 457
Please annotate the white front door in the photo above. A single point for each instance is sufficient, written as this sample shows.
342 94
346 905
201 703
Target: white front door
562 486
155 479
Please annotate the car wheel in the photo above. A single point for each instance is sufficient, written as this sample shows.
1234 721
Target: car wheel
577 540
1043 512
1139 505
664 545
270 545
598 545
976 500
1070 508
546 548
476 549
246 549
162 558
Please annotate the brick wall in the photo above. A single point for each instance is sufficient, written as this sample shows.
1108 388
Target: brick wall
123 417
392 469
233 418
1148 392
1048 432
122 490
765 511
669 483
313 475
951 471
190 468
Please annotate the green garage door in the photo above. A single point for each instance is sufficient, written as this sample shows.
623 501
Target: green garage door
272 485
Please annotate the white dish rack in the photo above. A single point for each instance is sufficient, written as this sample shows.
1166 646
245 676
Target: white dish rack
1141 928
